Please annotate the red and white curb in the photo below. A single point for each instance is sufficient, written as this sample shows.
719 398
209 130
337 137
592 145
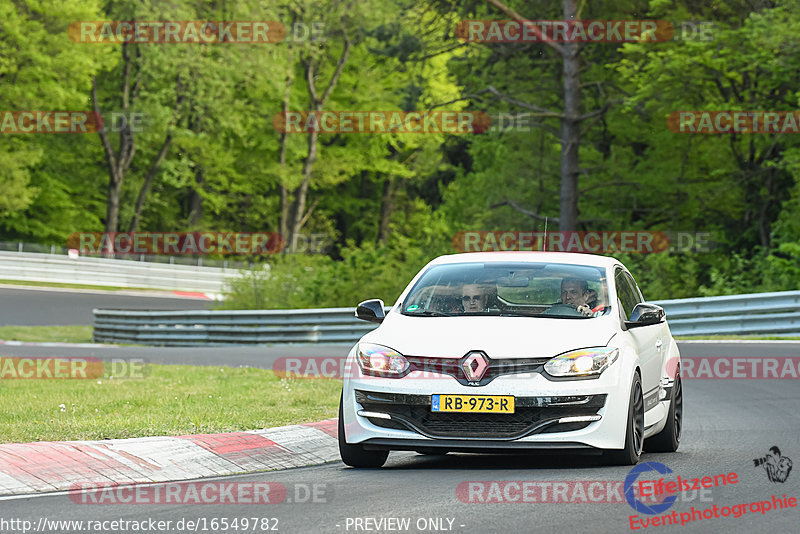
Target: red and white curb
59 465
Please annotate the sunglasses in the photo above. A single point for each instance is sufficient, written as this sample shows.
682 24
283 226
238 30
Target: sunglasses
474 298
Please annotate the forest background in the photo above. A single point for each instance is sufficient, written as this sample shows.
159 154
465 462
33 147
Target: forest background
589 148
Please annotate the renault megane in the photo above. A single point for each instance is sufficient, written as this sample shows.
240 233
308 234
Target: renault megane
513 351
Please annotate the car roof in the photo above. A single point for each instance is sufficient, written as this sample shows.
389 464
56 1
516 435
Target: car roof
572 258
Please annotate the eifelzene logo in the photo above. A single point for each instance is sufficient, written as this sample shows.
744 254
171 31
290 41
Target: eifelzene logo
777 467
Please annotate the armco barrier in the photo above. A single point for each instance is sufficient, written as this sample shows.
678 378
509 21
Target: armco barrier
760 313
26 266
215 327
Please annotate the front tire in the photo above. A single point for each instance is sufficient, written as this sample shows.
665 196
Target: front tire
634 434
354 455
669 438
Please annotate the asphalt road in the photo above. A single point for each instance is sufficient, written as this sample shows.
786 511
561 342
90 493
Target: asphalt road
727 424
43 307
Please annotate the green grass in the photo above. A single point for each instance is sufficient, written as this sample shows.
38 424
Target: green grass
170 400
723 338
60 334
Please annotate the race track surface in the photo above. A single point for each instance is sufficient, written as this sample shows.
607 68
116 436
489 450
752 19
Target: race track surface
727 424
44 307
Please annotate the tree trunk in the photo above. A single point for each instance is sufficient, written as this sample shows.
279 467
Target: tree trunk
112 204
570 129
387 205
301 193
570 116
195 200
284 215
151 173
299 216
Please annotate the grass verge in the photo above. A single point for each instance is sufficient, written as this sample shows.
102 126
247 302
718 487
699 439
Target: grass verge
170 400
52 334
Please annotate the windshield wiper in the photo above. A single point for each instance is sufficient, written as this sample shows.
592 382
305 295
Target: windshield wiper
429 313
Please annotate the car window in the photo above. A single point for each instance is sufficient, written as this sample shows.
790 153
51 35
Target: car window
628 299
520 288
634 287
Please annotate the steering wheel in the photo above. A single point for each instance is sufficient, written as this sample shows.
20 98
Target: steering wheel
563 309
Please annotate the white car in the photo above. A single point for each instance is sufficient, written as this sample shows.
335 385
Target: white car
512 351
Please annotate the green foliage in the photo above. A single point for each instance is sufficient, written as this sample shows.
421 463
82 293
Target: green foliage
309 281
390 202
42 69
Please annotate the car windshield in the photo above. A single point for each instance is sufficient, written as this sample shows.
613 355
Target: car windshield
509 289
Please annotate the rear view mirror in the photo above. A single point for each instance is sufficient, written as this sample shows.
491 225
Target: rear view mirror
513 281
371 310
645 314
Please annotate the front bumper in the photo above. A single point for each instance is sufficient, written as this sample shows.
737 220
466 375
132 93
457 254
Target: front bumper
532 415
407 422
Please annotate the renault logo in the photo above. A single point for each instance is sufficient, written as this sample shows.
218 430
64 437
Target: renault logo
474 366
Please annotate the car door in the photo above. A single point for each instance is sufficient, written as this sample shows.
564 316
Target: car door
647 339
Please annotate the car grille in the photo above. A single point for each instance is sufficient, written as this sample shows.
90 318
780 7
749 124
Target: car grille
532 415
452 367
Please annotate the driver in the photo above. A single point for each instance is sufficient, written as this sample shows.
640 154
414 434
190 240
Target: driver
575 292
474 298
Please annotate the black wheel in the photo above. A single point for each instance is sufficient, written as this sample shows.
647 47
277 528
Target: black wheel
634 434
669 439
354 455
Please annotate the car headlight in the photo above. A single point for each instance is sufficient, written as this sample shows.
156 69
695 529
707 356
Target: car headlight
583 362
381 361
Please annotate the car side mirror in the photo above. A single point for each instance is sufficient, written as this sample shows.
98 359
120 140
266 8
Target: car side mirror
645 314
371 310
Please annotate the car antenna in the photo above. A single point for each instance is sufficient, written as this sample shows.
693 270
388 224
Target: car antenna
545 232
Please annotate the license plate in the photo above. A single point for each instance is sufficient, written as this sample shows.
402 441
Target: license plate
472 403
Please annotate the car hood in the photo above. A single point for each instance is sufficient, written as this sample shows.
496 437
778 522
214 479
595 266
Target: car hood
498 337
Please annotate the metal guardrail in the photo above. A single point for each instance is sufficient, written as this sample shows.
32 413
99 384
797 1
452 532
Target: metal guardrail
220 327
776 313
199 260
760 313
26 266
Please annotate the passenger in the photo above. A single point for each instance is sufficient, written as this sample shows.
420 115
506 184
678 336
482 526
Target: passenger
474 298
